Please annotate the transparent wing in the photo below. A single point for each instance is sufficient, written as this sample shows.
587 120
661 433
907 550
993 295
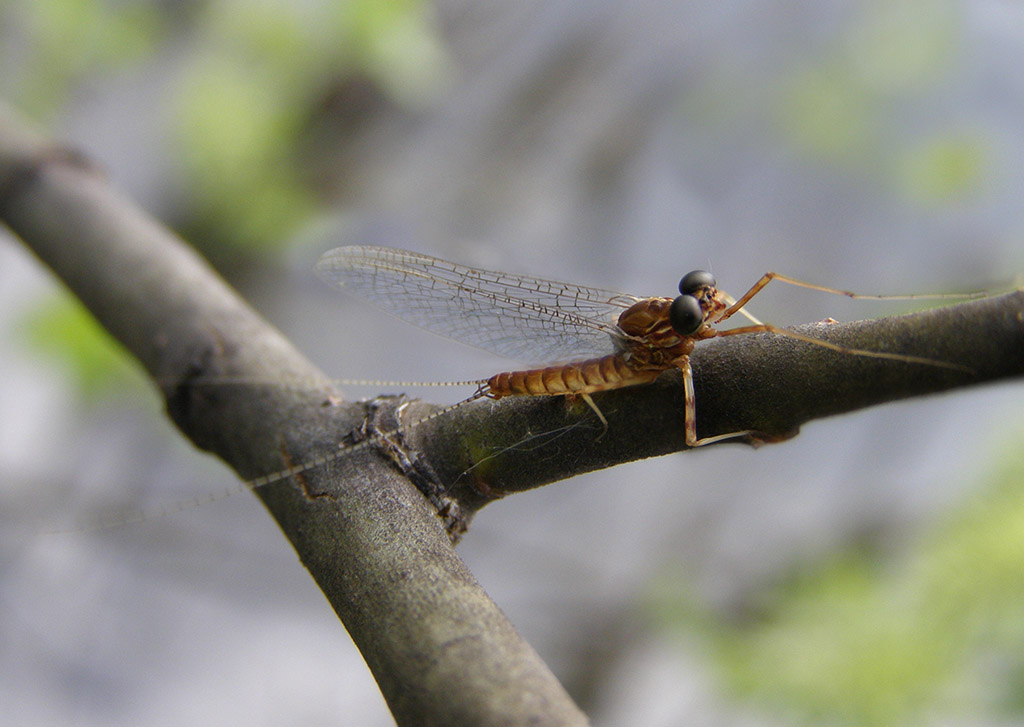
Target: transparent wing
531 319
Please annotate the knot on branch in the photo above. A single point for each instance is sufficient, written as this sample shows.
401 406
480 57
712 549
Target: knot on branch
383 428
21 174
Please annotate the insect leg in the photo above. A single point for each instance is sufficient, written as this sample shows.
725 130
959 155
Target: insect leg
756 288
691 412
737 306
592 405
768 328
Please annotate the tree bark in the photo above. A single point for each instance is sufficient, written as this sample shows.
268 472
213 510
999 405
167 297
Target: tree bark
440 649
766 383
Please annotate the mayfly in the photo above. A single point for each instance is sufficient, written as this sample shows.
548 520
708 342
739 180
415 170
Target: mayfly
607 339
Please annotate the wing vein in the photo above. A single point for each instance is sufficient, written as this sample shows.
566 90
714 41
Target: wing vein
519 316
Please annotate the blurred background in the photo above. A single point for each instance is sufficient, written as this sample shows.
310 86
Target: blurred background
868 572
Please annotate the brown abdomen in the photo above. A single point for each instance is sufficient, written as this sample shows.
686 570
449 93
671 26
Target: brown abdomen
581 377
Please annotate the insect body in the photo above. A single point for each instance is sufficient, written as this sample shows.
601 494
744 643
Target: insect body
649 340
608 339
532 317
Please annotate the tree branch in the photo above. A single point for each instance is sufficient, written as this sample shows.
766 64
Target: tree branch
767 383
369 538
440 649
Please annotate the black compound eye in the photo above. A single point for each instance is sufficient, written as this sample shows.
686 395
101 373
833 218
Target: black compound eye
692 282
685 315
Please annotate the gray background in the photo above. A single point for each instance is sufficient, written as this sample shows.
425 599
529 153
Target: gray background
612 144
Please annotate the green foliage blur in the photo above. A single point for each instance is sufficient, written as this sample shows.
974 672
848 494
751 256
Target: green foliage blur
873 637
249 84
65 42
61 330
845 108
249 81
248 100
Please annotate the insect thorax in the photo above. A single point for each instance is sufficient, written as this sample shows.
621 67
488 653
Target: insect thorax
650 341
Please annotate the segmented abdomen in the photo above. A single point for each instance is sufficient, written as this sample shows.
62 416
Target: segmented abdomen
581 377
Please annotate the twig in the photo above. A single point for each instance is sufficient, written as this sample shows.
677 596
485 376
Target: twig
371 540
440 649
766 383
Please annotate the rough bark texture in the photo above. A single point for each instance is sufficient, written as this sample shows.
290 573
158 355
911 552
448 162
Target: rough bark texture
766 383
440 649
